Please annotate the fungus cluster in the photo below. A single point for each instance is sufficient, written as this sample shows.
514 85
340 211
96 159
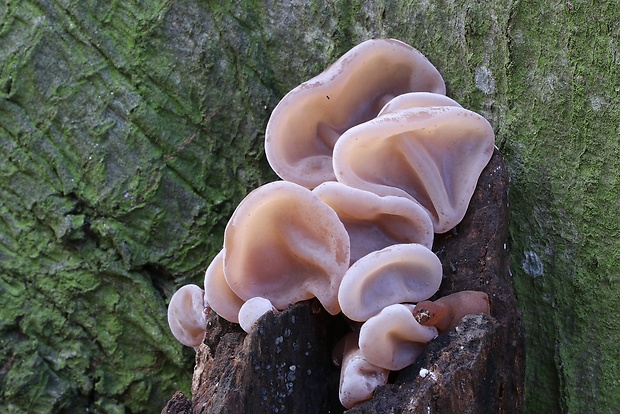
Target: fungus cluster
374 160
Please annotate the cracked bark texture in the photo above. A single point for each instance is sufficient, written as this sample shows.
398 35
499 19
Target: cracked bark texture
130 130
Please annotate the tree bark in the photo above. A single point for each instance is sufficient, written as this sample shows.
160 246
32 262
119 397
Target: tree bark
130 130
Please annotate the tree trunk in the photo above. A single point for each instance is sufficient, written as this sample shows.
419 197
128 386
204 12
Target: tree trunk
285 364
130 130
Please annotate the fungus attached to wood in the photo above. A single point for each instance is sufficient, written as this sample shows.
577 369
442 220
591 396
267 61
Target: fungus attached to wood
433 156
446 312
396 274
218 293
284 244
307 122
358 377
393 339
375 222
252 310
186 315
390 160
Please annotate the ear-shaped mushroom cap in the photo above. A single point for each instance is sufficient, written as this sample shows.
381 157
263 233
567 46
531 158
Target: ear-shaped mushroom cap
393 339
416 100
252 310
431 155
305 125
446 312
284 244
397 274
186 315
375 222
218 294
358 377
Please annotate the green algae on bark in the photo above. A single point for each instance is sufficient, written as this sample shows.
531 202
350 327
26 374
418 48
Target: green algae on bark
116 182
564 145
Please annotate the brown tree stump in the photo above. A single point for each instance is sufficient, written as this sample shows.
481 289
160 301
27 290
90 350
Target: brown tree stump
285 365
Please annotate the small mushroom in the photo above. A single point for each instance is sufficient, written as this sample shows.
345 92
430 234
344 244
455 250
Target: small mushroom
393 339
446 312
252 310
358 377
375 222
396 274
432 155
186 315
284 244
305 125
218 294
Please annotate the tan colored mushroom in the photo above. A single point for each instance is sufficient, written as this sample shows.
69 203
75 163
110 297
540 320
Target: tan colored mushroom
186 315
393 339
305 125
416 100
396 274
252 310
430 155
446 312
375 222
218 294
284 244
358 378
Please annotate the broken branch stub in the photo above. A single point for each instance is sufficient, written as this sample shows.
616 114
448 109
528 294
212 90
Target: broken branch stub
478 366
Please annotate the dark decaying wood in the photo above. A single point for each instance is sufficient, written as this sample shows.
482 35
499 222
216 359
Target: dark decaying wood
178 404
285 366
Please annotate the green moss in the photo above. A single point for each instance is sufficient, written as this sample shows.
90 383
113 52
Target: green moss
81 307
562 132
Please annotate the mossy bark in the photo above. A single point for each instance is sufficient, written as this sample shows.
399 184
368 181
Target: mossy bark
130 130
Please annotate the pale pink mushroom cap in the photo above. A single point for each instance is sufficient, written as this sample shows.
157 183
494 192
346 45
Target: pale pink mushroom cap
284 244
430 155
375 222
393 339
305 125
186 315
358 377
218 294
252 310
396 274
416 100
